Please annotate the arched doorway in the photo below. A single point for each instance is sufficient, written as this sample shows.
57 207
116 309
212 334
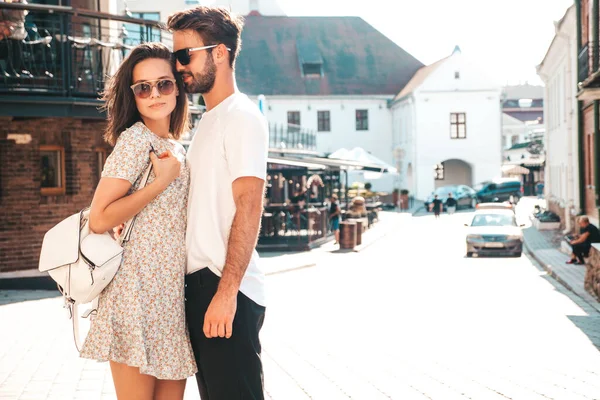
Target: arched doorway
453 172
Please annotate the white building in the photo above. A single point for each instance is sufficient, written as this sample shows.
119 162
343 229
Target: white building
375 136
447 127
335 76
558 70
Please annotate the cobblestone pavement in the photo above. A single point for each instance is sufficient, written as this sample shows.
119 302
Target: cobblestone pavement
409 317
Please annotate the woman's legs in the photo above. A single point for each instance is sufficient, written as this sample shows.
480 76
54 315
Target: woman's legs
169 390
130 384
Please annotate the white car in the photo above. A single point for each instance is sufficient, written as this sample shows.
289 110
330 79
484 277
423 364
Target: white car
494 232
496 206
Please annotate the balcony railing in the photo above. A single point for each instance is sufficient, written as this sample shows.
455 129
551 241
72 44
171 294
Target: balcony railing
68 52
288 137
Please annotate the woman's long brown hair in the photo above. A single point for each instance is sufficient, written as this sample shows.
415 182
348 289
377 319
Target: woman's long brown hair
119 99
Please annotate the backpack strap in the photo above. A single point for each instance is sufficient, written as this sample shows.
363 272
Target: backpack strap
71 305
129 224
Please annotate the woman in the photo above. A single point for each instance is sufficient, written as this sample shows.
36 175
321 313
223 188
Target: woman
140 326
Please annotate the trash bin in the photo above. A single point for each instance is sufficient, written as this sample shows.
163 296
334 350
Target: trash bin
347 234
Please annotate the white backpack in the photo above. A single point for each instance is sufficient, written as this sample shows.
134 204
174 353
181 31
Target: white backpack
82 262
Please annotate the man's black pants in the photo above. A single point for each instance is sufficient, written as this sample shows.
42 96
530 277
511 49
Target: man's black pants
581 250
228 369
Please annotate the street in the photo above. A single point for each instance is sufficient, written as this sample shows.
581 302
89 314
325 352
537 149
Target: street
409 317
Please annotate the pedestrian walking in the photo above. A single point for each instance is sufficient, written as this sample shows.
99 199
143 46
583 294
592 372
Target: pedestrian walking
451 204
140 323
225 304
539 190
436 206
334 217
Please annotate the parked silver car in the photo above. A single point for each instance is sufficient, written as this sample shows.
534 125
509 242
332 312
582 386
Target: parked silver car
494 232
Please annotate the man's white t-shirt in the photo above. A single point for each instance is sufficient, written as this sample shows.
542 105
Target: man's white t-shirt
231 142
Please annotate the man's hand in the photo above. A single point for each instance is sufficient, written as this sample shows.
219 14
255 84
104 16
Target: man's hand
166 167
218 320
118 231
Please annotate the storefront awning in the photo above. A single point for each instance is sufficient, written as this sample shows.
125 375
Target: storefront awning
347 164
324 163
514 169
533 161
295 163
362 157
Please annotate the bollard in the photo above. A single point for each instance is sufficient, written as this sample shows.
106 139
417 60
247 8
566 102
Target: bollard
360 228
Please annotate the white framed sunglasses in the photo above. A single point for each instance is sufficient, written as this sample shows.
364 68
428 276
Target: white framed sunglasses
143 90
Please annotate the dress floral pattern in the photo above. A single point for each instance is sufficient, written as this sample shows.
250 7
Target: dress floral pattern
141 313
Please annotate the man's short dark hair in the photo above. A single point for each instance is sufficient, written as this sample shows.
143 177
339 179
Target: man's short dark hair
215 25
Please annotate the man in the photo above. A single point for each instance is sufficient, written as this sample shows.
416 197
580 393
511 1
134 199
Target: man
334 217
539 190
583 242
451 204
225 300
436 206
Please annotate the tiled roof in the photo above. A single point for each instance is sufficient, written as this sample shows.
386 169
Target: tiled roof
356 58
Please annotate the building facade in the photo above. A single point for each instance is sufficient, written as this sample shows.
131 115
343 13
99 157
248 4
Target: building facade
447 127
558 70
333 75
523 127
588 68
51 129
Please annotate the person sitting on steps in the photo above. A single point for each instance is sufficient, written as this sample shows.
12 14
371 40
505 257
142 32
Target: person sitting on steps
583 242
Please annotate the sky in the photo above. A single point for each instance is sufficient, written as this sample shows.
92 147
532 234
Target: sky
508 38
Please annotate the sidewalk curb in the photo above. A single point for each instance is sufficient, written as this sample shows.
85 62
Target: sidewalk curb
418 210
557 278
550 271
26 280
290 269
356 249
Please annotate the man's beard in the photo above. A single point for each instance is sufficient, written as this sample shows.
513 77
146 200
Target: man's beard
202 83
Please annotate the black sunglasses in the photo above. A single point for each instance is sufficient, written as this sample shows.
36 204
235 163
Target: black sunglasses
183 55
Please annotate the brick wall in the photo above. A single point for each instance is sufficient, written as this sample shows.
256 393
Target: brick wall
592 276
26 214
585 21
